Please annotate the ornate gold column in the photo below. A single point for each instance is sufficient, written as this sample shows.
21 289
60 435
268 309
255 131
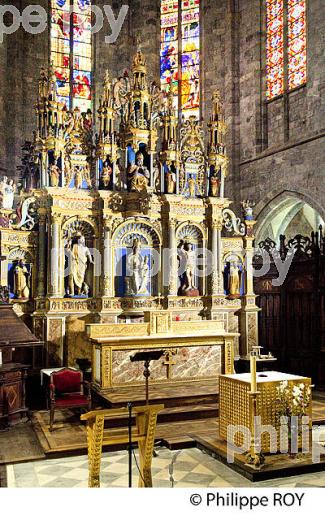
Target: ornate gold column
107 286
55 252
173 251
216 250
248 315
41 254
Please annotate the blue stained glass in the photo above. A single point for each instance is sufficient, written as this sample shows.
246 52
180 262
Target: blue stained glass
84 4
169 57
191 30
63 4
169 34
190 59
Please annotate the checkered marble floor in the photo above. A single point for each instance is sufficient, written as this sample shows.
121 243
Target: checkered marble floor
191 469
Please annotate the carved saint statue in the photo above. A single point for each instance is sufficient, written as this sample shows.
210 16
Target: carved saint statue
157 177
21 279
78 177
139 59
138 272
3 185
187 256
138 175
191 186
170 177
54 175
144 276
234 280
107 172
7 193
214 183
248 208
79 258
190 266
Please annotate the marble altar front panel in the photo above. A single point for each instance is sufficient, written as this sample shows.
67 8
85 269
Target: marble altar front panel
185 364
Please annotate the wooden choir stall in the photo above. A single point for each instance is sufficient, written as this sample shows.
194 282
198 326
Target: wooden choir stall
20 351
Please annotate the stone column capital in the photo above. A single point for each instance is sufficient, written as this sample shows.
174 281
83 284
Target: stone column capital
57 218
173 223
217 223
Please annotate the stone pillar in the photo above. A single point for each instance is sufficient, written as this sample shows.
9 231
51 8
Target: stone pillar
172 243
41 256
107 286
54 282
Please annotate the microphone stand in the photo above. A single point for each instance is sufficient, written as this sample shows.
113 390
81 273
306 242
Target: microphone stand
130 443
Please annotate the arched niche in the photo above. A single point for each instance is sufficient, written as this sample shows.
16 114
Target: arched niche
188 233
14 258
233 267
72 230
287 214
145 238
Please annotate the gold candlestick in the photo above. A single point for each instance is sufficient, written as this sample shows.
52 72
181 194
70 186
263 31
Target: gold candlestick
253 373
254 457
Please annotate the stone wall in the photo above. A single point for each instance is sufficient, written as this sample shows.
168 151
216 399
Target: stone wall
281 142
23 55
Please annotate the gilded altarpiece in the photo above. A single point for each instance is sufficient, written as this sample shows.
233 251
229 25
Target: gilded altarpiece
110 226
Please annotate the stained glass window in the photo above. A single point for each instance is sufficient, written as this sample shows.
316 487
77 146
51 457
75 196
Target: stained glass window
296 43
71 51
180 53
274 48
285 45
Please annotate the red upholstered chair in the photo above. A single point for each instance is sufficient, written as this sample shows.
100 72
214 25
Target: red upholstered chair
68 390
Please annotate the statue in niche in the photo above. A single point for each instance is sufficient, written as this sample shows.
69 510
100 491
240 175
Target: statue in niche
54 175
80 257
138 270
234 280
138 175
157 176
144 276
189 260
107 172
7 193
191 186
214 183
21 281
170 177
67 170
78 177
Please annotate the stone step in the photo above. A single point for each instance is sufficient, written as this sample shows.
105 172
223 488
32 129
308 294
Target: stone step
170 415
